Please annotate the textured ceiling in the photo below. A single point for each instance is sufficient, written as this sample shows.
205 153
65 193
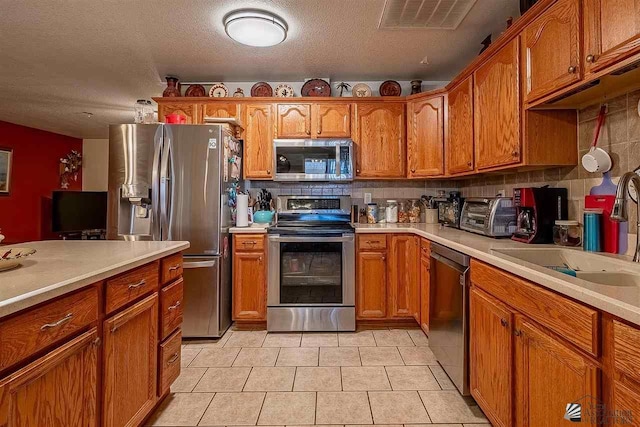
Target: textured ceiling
62 57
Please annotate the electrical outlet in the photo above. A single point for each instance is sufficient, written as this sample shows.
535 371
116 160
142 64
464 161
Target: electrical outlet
502 193
367 198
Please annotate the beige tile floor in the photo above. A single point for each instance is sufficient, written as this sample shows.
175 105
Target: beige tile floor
383 377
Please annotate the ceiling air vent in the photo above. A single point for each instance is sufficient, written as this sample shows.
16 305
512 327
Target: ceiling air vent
429 14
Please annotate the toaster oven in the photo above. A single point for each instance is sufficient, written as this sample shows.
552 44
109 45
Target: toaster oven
493 217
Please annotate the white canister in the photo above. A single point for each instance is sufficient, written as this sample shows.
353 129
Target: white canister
242 210
431 216
391 213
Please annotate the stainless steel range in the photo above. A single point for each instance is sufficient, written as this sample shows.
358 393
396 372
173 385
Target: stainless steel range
311 265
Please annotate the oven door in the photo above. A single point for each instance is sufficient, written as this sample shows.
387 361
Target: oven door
313 271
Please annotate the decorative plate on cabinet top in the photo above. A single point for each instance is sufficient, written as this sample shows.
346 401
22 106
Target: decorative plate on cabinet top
284 91
390 88
261 89
196 90
316 87
361 90
218 91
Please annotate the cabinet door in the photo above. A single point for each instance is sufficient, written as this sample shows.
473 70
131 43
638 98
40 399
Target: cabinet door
496 109
626 400
426 138
550 375
294 121
59 389
130 364
249 286
371 285
425 289
191 111
460 139
221 110
380 140
552 49
258 141
490 356
404 276
611 32
332 120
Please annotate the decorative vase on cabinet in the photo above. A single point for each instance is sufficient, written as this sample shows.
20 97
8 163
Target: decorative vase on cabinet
173 87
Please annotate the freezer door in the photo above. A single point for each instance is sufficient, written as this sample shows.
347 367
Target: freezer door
190 189
202 297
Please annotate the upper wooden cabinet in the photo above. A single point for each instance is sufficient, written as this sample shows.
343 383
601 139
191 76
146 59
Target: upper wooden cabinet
552 51
497 109
191 111
221 110
459 142
259 123
425 139
331 120
380 140
490 356
294 121
611 32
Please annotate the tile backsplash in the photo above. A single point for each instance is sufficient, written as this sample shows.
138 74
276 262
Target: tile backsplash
620 136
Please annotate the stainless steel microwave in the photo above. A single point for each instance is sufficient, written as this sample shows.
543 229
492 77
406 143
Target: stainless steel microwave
313 159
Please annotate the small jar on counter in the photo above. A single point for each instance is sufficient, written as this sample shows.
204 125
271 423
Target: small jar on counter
414 210
372 213
403 211
567 233
392 211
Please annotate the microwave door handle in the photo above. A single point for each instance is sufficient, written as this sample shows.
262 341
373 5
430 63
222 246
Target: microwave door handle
338 171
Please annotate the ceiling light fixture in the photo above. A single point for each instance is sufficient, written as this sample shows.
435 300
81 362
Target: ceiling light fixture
255 28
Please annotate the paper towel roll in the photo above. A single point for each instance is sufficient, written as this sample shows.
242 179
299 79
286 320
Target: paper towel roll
242 210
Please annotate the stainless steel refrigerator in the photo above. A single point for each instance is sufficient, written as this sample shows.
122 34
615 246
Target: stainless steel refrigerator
177 182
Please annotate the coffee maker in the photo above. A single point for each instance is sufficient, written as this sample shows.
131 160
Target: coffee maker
537 209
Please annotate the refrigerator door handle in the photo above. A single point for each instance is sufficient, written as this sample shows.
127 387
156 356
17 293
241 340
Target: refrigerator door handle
164 184
155 190
199 264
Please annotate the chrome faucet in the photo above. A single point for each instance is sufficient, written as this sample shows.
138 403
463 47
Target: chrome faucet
620 211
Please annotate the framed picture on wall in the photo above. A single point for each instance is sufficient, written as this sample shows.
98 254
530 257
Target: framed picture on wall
5 170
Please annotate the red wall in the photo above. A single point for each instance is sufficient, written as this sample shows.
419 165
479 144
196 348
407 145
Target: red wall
25 214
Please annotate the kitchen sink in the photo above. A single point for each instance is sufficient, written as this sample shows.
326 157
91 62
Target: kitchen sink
591 267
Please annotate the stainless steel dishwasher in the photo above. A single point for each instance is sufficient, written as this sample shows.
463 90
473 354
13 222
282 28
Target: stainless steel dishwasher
448 313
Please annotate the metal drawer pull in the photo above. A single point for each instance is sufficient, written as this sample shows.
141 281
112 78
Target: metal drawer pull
174 267
249 242
173 358
504 322
370 242
65 319
137 285
174 306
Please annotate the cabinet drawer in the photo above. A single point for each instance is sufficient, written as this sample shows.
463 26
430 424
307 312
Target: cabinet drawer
573 321
169 362
372 241
249 242
626 349
29 332
131 285
170 268
171 307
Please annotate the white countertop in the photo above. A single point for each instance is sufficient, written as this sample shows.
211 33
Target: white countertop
252 229
62 266
621 301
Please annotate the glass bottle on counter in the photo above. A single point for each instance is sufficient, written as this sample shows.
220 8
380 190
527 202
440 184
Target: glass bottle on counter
403 211
391 213
414 210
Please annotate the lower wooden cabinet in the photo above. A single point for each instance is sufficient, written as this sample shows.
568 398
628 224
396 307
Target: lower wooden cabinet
249 278
371 288
490 356
130 364
549 375
58 389
388 277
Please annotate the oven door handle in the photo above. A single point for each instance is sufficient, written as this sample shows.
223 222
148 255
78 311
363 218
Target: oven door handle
311 239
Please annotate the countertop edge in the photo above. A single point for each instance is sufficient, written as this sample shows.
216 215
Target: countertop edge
30 299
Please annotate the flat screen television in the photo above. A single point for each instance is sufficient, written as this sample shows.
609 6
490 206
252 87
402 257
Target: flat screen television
75 211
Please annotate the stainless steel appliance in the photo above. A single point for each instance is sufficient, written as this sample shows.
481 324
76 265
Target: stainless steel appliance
311 273
492 216
313 159
449 211
173 182
448 313
537 209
